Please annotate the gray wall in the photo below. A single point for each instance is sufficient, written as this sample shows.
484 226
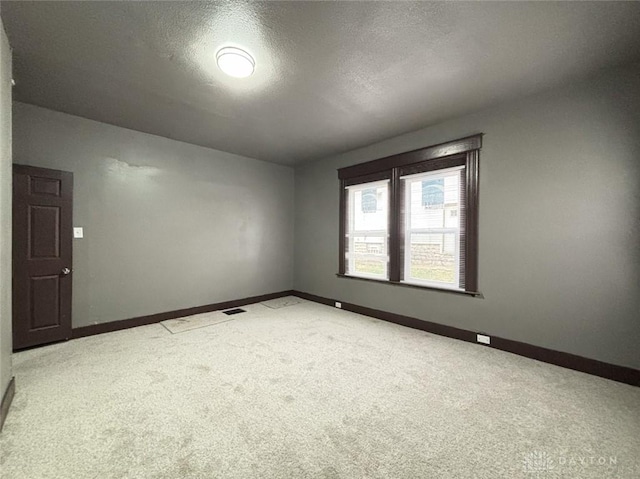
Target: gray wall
559 222
167 225
5 212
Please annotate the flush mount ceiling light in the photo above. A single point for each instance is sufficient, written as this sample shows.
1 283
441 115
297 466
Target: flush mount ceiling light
235 62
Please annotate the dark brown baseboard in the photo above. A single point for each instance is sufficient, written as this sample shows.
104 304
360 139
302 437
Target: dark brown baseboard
621 374
156 318
7 398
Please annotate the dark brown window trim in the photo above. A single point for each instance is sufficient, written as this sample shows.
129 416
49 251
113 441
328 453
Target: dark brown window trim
396 232
463 145
356 180
476 294
342 227
432 165
464 151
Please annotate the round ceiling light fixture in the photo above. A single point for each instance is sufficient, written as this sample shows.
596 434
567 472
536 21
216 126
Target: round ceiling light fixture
235 62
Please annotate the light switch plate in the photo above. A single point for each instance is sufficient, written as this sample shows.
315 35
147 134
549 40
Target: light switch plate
78 232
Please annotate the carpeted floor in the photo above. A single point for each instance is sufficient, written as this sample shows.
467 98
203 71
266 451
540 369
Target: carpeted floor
309 391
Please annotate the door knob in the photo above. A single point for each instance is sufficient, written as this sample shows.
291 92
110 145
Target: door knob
66 271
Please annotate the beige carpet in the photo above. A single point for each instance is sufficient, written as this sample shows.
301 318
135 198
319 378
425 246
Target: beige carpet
308 391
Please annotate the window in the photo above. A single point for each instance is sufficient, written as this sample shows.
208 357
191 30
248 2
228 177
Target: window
367 251
413 218
432 236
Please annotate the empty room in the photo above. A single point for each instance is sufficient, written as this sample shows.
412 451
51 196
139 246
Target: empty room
332 240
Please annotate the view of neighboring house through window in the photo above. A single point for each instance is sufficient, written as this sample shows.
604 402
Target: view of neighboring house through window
367 236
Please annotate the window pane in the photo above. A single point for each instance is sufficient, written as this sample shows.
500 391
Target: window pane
369 245
432 227
433 257
370 210
369 200
369 267
433 193
367 230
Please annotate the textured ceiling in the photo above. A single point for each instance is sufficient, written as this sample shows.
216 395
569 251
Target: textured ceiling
329 76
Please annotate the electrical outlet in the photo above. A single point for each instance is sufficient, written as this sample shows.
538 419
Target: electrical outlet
484 339
338 305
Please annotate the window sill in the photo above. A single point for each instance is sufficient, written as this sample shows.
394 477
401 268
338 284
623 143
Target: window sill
476 294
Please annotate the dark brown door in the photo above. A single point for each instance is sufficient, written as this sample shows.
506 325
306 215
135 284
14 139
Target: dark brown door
42 236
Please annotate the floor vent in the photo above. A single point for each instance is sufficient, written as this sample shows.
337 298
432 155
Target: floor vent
234 311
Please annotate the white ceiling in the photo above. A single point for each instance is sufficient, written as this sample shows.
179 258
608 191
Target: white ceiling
330 76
